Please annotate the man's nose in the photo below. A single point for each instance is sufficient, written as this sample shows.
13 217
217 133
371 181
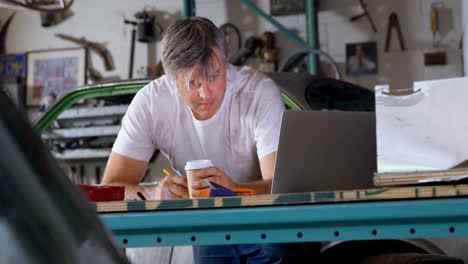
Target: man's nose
204 90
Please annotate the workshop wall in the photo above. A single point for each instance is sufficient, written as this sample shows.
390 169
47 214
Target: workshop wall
395 67
102 21
398 68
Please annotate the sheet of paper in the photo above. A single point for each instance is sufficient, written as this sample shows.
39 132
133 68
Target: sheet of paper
424 130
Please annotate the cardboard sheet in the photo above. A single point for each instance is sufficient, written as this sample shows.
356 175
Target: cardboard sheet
424 128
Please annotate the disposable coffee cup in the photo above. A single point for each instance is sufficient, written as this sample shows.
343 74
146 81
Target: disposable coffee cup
191 167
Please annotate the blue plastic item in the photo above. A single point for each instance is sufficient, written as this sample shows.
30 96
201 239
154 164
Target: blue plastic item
222 192
219 190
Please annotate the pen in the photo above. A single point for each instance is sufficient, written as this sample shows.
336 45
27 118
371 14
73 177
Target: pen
141 196
168 173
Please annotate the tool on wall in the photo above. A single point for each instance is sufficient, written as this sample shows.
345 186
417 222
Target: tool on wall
149 32
364 14
434 15
148 29
437 57
41 5
49 19
393 22
98 48
4 32
52 12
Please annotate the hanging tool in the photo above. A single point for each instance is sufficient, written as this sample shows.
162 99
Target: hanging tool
364 14
437 57
435 23
4 31
393 22
99 48
148 29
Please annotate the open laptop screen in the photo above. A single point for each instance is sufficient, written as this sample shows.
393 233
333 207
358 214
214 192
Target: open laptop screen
324 151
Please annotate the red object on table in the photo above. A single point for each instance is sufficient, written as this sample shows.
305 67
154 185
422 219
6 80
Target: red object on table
101 193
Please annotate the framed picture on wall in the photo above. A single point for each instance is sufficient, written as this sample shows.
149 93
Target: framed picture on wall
361 58
12 73
287 7
52 73
12 67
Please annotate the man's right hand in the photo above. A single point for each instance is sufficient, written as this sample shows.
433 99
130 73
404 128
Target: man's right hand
172 187
148 192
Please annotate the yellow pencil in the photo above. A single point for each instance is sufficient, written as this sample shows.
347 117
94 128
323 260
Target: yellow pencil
167 172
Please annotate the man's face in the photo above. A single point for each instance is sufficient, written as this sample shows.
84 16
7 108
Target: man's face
204 94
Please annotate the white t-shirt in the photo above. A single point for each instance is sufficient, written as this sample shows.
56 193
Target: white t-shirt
244 129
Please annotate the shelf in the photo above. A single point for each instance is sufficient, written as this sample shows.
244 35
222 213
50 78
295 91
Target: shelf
70 133
80 154
93 112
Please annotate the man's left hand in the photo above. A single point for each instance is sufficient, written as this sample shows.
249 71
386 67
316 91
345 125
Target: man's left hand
215 175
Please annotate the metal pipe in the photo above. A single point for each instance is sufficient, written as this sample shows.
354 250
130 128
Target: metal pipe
132 53
464 42
336 69
275 23
189 8
311 28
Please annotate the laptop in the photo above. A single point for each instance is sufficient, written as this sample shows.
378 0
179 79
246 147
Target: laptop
325 151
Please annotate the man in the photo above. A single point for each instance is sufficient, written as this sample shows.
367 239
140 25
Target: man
203 108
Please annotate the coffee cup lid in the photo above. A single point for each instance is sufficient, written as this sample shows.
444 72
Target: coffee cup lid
198 164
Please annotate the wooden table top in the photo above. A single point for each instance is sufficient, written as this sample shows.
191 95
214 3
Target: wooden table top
378 194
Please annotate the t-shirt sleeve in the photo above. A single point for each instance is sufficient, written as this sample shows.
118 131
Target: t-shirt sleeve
268 118
135 136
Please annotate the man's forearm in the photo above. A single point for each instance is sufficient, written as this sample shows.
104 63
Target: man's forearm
122 170
260 187
116 183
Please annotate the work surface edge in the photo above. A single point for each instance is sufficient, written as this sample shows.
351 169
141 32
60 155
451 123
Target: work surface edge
378 194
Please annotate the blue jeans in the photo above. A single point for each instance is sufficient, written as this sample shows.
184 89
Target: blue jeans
242 254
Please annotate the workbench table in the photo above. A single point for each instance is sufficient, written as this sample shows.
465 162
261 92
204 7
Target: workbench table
384 213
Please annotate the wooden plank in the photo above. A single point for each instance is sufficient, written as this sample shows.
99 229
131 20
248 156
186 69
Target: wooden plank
418 177
417 192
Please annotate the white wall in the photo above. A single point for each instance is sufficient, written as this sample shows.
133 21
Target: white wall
102 21
399 68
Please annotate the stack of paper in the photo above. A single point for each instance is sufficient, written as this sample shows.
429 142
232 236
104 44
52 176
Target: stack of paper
421 132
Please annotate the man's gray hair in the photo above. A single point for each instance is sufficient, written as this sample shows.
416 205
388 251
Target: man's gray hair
190 42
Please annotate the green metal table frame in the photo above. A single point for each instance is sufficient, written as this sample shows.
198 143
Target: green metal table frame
424 218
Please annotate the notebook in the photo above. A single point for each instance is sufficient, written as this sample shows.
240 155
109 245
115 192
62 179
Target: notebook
324 151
